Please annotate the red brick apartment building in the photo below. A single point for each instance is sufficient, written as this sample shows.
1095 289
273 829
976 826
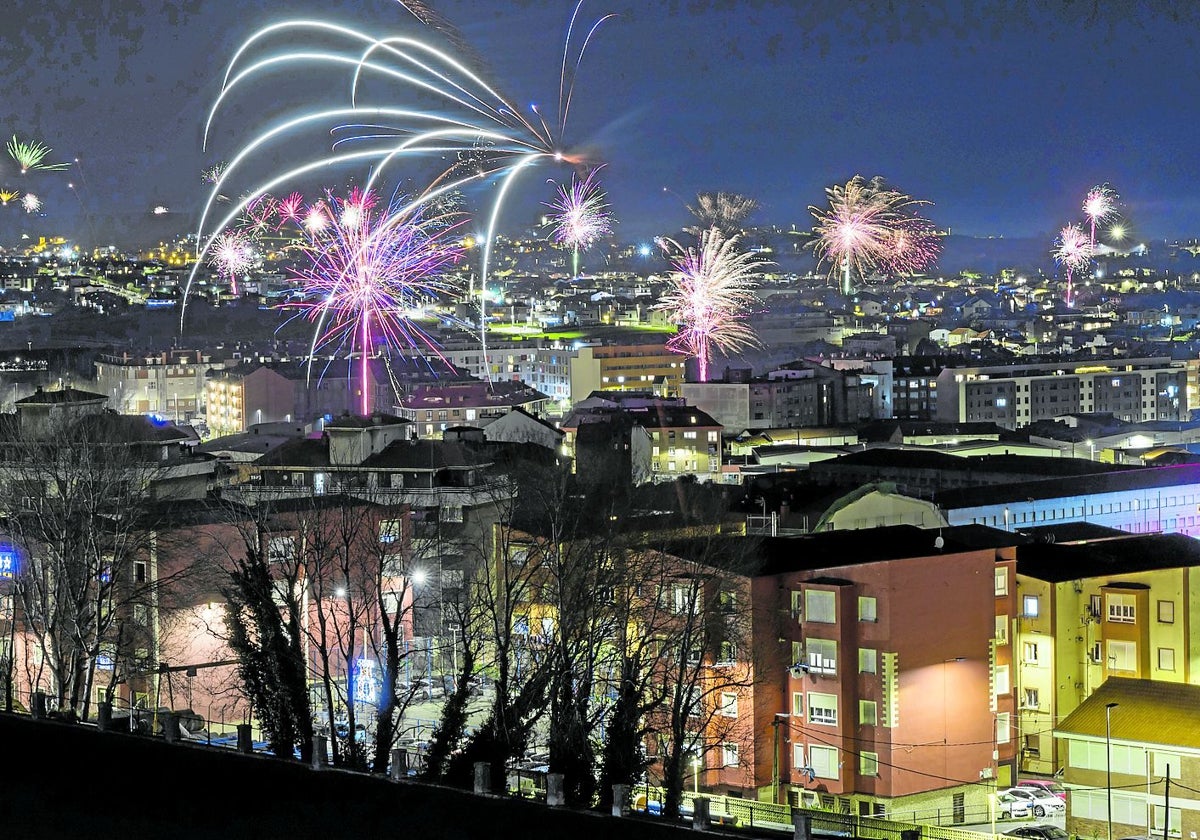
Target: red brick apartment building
877 654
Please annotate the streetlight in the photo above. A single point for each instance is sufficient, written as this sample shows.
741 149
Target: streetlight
696 774
1108 707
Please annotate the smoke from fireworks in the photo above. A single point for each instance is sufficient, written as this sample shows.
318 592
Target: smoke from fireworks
709 296
867 225
368 267
29 155
724 211
580 215
1099 206
1073 251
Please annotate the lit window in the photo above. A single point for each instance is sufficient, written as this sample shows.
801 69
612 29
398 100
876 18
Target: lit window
1166 659
1122 609
728 704
798 704
867 609
868 764
1166 612
729 755
866 660
1001 629
868 712
824 762
1001 582
822 708
1031 608
819 606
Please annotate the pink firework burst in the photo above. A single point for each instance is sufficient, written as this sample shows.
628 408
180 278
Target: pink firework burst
289 210
580 215
232 255
369 269
1100 206
710 295
867 225
1073 250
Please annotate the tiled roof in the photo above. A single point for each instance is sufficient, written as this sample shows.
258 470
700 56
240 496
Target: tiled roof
1149 712
63 395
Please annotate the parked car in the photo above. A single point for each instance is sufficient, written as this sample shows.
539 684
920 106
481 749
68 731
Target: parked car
1010 807
1048 785
1040 802
1038 832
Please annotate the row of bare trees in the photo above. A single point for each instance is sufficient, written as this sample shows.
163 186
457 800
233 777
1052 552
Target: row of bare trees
608 622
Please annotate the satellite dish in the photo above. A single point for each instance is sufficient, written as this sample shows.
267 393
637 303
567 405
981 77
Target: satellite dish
939 543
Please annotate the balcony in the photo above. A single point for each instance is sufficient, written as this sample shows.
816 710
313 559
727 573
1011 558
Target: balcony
417 497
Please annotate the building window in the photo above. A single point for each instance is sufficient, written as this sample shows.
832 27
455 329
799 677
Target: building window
867 609
822 656
1030 606
1029 699
729 754
797 605
798 704
1122 656
1166 659
1122 609
1029 652
1001 629
822 708
728 704
1001 680
868 764
139 571
824 762
868 712
1001 582
1003 728
819 606
1166 612
867 660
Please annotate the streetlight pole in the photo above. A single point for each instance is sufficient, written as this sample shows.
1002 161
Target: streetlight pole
696 775
1108 707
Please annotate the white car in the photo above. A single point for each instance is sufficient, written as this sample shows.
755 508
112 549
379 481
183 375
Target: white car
1009 807
1040 802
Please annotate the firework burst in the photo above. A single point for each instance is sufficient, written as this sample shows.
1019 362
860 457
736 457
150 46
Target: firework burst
369 266
468 119
7 195
289 210
1073 250
29 155
724 211
580 215
867 225
31 203
232 255
711 292
1099 207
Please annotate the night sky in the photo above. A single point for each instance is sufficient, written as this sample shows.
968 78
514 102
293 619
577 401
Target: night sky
1002 114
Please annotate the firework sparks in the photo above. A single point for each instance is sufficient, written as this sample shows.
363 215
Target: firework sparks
232 255
867 226
29 155
1099 206
31 203
710 294
212 174
1073 251
724 211
470 119
289 210
580 215
7 195
368 267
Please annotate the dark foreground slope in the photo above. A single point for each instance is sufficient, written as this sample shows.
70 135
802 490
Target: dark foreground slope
58 780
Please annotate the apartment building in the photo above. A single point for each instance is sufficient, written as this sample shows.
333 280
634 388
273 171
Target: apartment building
626 367
1135 390
170 384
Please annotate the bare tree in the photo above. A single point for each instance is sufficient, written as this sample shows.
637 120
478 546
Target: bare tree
75 498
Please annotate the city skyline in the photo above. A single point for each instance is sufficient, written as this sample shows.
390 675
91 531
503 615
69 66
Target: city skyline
1003 118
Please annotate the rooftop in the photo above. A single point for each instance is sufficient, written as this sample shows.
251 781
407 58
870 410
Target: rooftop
1147 711
1056 563
1119 481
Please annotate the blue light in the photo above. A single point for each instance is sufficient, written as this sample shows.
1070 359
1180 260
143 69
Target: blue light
10 561
644 250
